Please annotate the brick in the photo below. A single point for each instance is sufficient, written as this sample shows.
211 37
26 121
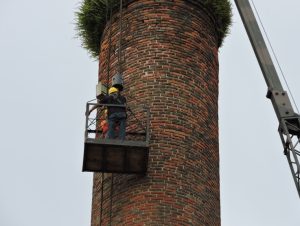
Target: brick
170 63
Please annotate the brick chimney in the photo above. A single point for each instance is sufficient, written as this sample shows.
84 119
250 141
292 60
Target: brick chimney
170 63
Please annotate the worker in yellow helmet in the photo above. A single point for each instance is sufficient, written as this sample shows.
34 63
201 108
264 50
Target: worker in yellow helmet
116 113
113 90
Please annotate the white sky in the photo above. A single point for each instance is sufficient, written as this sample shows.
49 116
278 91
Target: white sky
46 78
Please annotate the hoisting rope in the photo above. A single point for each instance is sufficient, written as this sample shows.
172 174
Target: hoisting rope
276 59
108 7
103 179
111 197
101 203
108 10
120 38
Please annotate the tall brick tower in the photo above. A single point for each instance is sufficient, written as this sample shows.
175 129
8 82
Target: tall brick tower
170 63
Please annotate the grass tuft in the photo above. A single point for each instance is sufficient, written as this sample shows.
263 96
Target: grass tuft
91 19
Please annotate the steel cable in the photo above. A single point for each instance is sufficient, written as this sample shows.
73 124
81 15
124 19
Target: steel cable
276 59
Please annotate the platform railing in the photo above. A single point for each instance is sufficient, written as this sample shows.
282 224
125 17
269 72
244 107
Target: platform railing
137 122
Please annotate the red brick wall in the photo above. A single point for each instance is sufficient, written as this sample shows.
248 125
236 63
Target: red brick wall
170 63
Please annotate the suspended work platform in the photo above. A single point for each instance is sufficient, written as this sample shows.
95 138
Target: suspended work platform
113 155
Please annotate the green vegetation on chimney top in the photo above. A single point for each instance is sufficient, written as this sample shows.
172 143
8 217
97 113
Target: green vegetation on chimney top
92 14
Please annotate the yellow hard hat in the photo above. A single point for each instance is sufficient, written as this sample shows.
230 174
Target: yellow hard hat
112 90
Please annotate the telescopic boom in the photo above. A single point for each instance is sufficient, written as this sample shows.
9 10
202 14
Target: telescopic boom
289 121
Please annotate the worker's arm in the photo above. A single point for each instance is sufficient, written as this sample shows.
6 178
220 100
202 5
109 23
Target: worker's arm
105 100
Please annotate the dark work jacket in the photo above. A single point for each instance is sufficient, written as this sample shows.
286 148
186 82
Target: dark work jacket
109 99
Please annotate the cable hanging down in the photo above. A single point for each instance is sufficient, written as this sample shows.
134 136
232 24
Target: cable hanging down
275 56
120 38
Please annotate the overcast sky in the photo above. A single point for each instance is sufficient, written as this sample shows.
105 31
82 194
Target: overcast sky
46 79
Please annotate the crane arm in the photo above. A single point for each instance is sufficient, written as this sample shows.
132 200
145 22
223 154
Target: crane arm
289 121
